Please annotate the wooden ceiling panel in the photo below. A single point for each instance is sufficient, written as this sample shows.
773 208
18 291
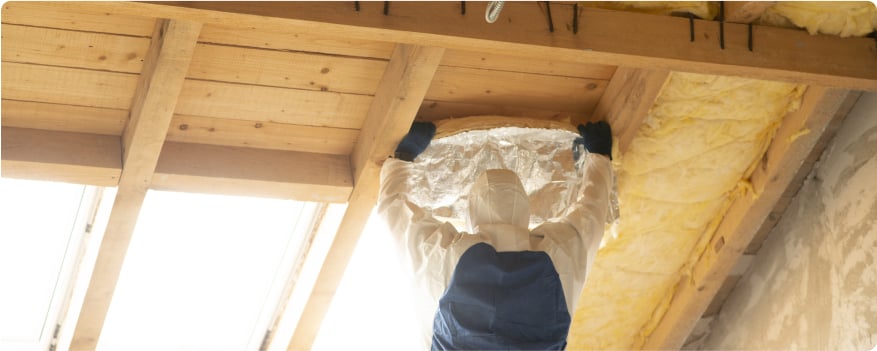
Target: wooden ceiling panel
63 118
264 135
485 87
547 65
269 104
56 47
70 15
268 38
286 69
436 110
72 86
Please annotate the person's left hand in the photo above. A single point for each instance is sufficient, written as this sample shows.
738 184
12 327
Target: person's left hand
415 141
596 137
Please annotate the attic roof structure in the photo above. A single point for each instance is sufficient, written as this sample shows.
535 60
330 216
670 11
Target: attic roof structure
305 100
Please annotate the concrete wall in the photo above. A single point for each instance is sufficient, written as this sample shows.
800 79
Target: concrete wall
813 284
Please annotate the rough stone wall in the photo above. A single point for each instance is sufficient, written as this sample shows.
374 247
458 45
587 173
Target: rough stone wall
813 284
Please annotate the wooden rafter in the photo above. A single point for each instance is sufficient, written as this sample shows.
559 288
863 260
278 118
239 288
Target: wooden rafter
783 158
158 88
603 36
627 100
399 95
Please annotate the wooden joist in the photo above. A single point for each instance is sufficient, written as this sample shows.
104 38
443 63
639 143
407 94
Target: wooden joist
61 157
243 171
96 160
785 155
603 37
400 94
627 100
158 88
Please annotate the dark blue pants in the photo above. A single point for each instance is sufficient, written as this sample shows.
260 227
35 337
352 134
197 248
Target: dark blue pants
502 301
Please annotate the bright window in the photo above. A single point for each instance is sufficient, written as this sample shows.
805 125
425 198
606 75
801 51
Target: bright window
204 272
41 226
373 307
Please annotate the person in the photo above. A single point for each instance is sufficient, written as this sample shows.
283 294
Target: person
500 285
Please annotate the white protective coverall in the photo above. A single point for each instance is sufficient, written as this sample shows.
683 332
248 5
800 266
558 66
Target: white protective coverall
498 215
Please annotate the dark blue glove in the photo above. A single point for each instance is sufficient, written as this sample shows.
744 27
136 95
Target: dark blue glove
416 141
597 138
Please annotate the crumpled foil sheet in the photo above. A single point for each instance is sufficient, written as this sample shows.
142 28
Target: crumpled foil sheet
444 173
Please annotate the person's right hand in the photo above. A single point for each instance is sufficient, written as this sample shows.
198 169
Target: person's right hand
415 141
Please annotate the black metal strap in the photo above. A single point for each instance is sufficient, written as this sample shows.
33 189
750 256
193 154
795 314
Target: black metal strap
722 25
550 22
575 18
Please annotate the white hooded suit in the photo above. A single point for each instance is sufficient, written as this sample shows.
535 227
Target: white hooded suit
499 216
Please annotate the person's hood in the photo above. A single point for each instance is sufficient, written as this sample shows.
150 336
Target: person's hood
498 197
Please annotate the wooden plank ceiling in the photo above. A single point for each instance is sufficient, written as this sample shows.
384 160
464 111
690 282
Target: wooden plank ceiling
304 100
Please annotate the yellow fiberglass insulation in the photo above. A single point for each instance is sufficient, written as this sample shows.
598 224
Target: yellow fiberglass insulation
702 9
841 18
689 160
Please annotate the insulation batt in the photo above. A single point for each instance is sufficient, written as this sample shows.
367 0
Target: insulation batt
689 160
542 158
841 18
701 9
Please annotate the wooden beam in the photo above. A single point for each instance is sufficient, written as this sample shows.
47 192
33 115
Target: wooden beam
627 100
399 95
62 157
603 37
745 11
253 172
785 155
158 89
97 160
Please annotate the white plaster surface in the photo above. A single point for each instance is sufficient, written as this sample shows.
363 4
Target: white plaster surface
813 285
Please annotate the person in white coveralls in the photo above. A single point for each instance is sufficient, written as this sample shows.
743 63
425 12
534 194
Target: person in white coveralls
500 285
